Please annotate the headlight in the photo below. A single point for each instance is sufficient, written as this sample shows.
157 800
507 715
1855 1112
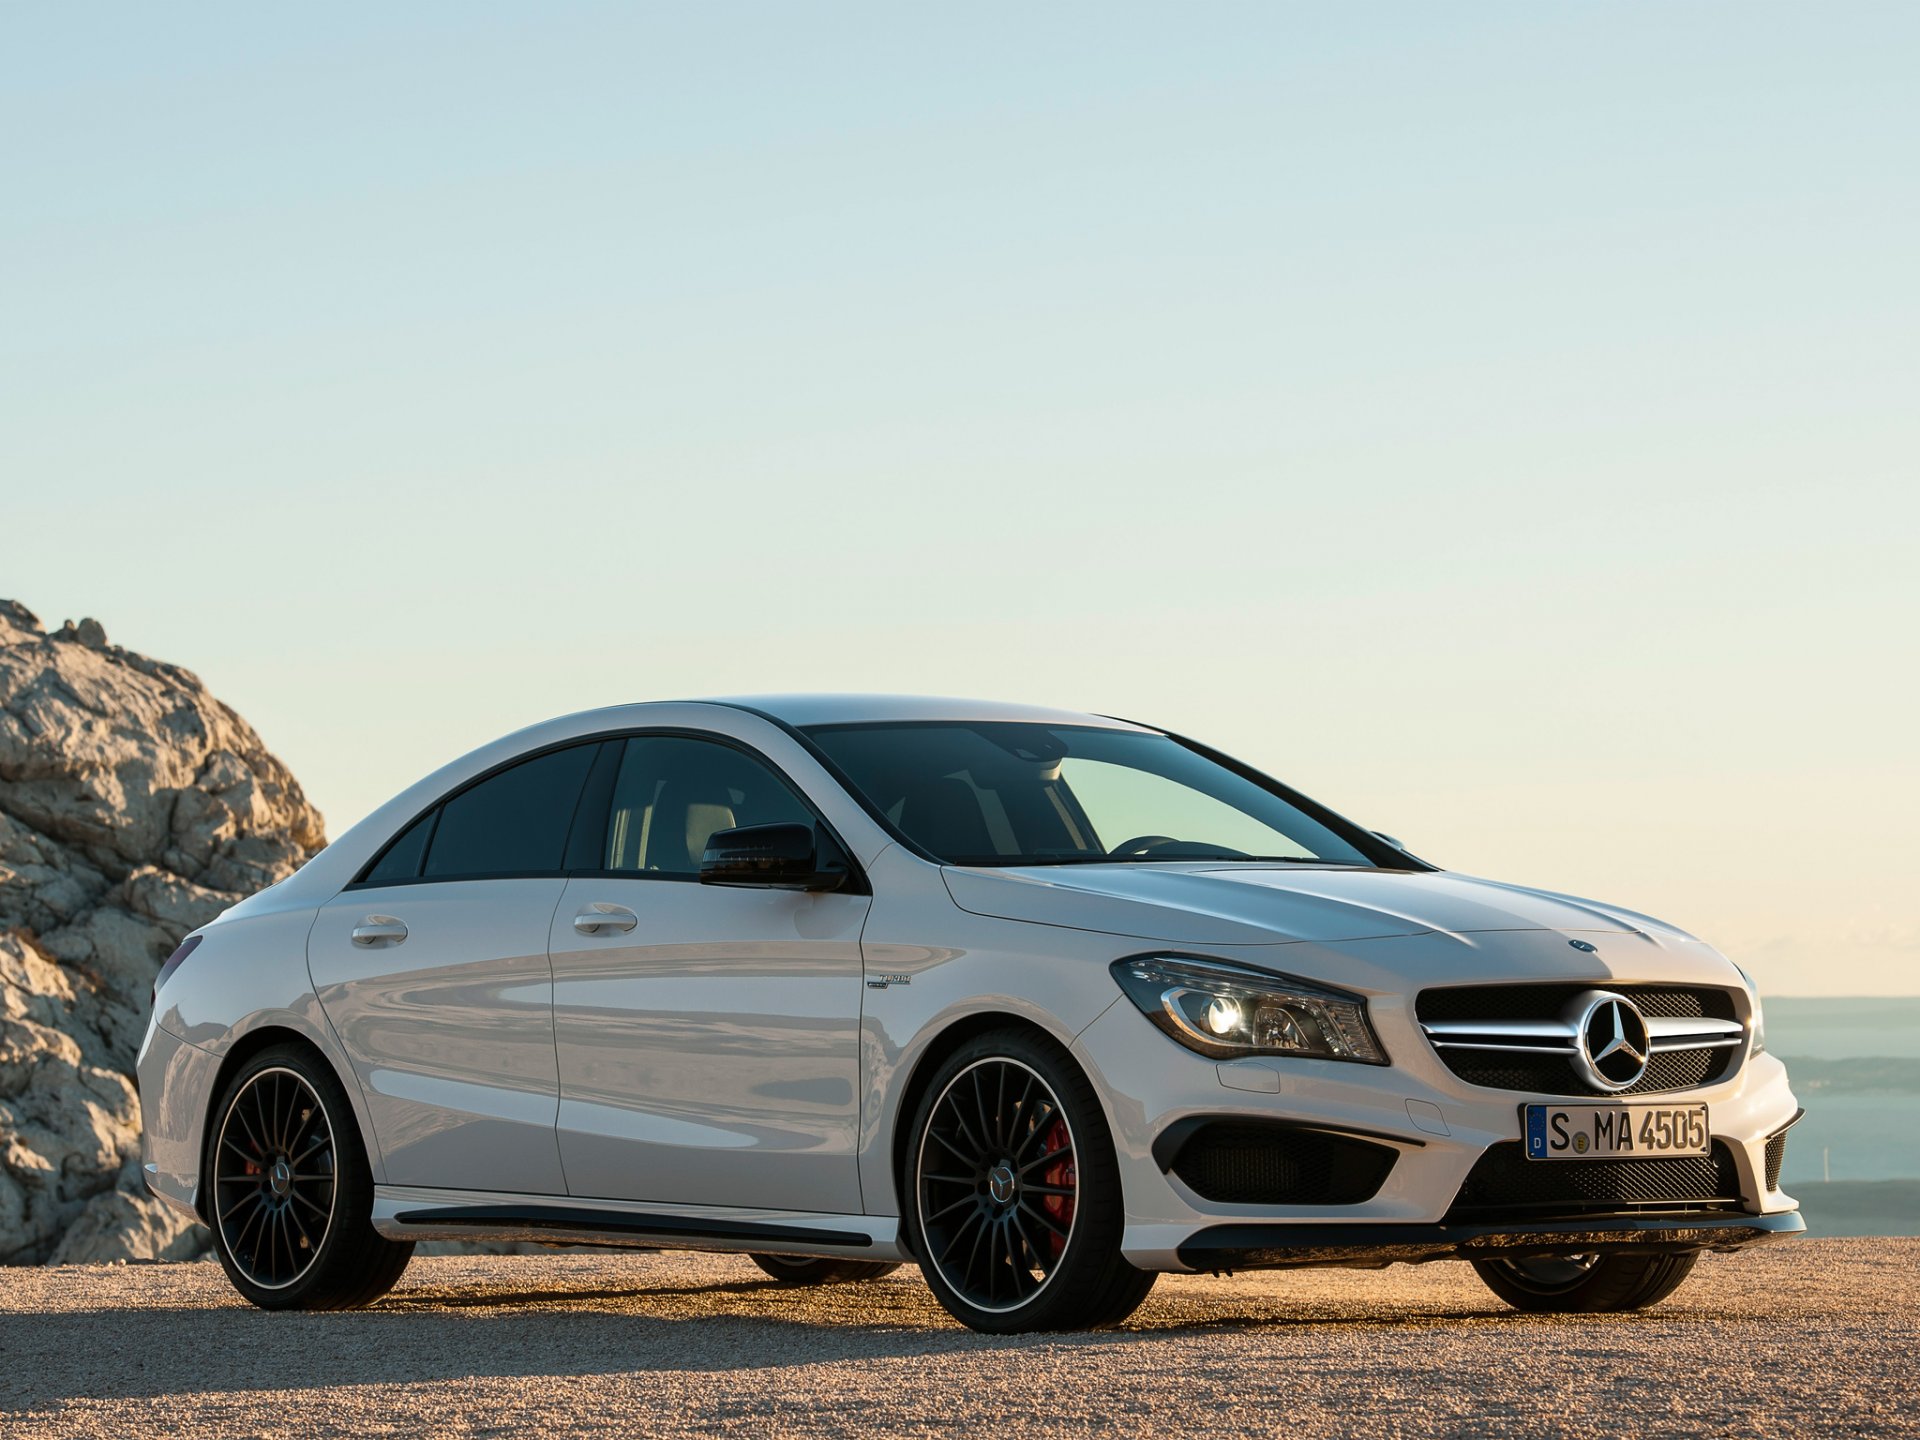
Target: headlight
1225 1011
1759 1019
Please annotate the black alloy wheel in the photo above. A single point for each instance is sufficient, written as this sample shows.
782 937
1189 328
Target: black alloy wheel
998 1184
1586 1284
1015 1204
273 1178
290 1193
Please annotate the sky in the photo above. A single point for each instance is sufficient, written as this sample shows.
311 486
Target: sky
1497 420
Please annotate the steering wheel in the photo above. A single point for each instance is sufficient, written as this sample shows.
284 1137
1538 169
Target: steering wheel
1142 844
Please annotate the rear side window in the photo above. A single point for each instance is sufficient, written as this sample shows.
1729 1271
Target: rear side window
513 823
403 857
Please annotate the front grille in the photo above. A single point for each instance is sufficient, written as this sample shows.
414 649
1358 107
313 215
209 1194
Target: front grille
1551 1072
1505 1185
1776 1158
1251 1163
1530 1002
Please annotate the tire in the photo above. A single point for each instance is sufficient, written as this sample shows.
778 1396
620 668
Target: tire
1012 1194
817 1270
290 1193
1585 1284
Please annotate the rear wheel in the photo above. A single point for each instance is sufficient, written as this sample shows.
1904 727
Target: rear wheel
1585 1284
290 1193
818 1270
1013 1194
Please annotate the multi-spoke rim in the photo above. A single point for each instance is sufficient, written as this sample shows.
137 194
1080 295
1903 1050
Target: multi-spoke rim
273 1178
998 1184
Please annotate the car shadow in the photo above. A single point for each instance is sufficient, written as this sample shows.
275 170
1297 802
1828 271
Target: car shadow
437 1333
530 1299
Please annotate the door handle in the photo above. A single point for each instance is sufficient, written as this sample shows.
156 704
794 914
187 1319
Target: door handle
379 930
599 917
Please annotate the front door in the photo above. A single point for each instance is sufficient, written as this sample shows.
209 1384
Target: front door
708 1036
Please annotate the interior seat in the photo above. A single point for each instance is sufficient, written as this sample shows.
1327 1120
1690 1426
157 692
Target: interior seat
944 816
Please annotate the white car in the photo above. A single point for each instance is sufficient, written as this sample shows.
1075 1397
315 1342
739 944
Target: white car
1045 1003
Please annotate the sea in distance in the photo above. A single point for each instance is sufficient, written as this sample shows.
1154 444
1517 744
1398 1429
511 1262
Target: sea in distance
1855 1066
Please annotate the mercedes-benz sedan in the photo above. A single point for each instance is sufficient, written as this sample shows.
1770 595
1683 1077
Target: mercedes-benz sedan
1047 1004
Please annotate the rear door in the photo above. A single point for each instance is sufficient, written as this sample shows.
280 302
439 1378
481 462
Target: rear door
434 972
708 1035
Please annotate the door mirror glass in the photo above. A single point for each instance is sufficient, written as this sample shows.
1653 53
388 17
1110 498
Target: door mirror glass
784 856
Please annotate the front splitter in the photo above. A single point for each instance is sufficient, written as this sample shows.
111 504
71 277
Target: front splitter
1272 1247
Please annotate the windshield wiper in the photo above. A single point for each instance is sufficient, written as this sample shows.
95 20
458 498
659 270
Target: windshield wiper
1309 860
1234 860
1008 862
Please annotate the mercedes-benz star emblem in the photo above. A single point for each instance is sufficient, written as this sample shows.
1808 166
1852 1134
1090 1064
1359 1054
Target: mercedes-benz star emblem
1612 1047
1001 1183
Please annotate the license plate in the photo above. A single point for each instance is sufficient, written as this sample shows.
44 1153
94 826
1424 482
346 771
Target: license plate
1593 1132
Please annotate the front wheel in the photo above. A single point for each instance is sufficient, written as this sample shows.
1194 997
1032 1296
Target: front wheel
290 1193
1012 1192
821 1270
1585 1284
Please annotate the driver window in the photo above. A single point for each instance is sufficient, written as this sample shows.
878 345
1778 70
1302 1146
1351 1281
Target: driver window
673 792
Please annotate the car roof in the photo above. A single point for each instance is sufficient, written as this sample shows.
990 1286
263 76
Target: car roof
802 711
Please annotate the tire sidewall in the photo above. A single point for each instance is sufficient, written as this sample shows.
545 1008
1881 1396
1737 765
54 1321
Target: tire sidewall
810 1270
1615 1283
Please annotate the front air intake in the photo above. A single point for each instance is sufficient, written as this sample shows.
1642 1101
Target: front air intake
1252 1162
1504 1185
1777 1151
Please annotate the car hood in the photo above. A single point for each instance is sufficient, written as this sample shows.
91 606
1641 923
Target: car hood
1252 904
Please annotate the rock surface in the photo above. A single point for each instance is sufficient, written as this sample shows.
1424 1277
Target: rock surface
134 807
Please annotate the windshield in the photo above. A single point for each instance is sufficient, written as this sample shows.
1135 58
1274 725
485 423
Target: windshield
1022 794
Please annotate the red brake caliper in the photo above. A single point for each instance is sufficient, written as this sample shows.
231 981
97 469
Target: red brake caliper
1060 1175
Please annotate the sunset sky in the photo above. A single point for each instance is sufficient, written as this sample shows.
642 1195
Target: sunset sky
1499 422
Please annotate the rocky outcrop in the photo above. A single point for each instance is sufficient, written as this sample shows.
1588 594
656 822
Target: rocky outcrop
134 806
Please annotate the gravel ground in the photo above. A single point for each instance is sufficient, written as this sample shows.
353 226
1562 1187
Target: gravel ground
1808 1337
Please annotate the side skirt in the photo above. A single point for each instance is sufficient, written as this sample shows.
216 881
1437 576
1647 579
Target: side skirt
410 1213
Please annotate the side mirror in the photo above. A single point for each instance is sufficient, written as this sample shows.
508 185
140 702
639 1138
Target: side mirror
779 857
1382 835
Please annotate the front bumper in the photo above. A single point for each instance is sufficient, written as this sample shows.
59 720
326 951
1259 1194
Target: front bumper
1439 1128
